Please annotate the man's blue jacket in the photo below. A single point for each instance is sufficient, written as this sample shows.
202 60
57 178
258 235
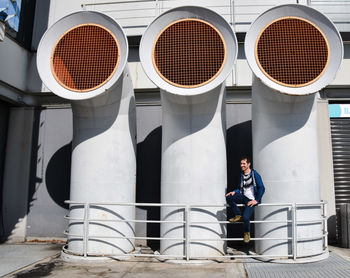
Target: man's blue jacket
259 187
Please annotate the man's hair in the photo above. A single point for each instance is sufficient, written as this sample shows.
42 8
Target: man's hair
247 158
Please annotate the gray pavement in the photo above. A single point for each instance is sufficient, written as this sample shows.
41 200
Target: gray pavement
38 260
18 256
136 269
333 267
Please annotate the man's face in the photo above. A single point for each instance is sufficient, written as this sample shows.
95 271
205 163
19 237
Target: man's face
244 165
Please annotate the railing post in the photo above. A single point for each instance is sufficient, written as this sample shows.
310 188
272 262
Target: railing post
325 226
86 228
294 232
187 232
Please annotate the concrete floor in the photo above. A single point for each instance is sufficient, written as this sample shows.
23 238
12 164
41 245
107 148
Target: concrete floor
136 269
41 260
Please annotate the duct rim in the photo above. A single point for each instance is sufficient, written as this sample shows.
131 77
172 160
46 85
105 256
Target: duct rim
54 33
62 37
275 79
217 32
305 13
187 12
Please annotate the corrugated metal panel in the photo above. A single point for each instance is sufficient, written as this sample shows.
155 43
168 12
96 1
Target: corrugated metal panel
136 15
133 16
340 128
246 11
337 11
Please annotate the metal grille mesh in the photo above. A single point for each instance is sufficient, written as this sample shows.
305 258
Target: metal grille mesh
189 53
85 58
292 51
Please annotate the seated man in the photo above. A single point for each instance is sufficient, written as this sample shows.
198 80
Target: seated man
249 193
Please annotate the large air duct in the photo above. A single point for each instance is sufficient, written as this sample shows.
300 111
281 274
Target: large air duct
188 52
294 51
83 57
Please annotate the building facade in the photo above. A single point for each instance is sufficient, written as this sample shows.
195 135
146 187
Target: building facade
36 126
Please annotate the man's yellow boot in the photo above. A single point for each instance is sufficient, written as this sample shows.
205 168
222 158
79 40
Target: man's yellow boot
235 219
246 237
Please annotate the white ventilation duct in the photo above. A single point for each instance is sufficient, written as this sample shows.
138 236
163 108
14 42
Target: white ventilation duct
188 52
294 51
83 57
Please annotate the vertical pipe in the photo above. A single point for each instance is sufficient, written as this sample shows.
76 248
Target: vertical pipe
325 226
190 67
294 232
85 229
285 154
294 51
187 234
194 168
104 166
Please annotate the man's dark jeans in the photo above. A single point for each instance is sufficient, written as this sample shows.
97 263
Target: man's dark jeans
239 198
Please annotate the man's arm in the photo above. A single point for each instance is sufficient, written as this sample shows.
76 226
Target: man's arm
260 186
232 192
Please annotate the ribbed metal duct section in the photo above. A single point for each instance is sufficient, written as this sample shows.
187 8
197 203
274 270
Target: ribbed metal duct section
340 128
188 52
83 57
294 51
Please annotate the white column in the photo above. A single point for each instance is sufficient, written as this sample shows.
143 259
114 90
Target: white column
285 153
104 167
194 169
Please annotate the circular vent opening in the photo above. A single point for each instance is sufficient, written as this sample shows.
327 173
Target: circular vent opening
85 57
292 52
189 53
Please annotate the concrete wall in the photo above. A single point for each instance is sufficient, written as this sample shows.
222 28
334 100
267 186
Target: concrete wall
50 181
4 114
51 151
326 165
49 158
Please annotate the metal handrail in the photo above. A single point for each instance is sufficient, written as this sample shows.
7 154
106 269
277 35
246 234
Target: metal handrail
86 220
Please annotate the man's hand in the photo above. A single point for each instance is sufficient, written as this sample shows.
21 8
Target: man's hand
252 203
230 193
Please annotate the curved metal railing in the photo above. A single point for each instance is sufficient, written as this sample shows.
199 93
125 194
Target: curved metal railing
187 223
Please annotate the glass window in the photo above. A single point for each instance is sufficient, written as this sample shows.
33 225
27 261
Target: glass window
19 18
10 13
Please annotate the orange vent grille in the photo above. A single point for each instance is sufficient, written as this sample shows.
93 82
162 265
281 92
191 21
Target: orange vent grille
85 57
292 52
189 53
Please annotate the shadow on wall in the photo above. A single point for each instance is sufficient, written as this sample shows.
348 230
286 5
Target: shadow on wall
148 181
332 229
238 144
57 177
148 188
57 182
